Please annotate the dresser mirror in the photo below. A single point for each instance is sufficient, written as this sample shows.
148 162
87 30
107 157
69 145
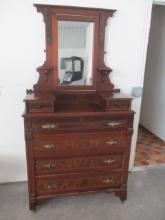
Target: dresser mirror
74 50
75 53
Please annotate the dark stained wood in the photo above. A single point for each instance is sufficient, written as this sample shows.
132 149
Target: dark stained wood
56 184
77 138
79 164
48 72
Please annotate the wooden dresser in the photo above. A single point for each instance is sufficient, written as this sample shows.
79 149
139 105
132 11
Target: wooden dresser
78 137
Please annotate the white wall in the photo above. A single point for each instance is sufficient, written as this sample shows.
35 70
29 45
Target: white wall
21 51
159 2
153 103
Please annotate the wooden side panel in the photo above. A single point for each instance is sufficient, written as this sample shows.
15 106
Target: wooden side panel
30 164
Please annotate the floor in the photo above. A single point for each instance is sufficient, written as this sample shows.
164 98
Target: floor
145 202
150 149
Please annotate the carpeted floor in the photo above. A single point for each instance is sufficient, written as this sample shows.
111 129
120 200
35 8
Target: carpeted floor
146 201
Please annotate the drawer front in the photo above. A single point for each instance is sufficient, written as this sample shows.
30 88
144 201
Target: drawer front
119 105
53 166
69 125
76 183
40 107
75 145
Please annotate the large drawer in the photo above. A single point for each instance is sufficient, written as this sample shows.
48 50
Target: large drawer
82 144
76 183
80 124
76 164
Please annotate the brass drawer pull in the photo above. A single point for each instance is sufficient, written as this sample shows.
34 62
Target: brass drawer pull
108 180
109 161
48 126
111 142
51 186
49 166
113 124
48 146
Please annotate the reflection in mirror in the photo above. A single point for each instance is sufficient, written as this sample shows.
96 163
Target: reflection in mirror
75 52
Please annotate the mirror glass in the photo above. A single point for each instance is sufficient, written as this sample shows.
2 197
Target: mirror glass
75 53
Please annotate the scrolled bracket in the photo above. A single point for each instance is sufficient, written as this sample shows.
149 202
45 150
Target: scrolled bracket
45 73
104 82
45 70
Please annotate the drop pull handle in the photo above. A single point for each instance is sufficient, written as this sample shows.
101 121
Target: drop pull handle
111 142
51 186
109 161
49 166
48 126
108 180
113 124
48 146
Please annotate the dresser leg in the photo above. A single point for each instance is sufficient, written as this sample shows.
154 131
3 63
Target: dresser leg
122 195
32 205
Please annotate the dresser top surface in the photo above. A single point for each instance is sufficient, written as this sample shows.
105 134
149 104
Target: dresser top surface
48 97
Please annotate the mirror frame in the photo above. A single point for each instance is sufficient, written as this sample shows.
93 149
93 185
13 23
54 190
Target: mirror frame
48 72
94 50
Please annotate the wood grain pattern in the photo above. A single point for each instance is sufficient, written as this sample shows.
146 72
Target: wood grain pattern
80 144
50 126
73 183
78 164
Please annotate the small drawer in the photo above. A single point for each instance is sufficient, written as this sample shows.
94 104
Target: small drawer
73 145
54 166
39 108
119 105
76 183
